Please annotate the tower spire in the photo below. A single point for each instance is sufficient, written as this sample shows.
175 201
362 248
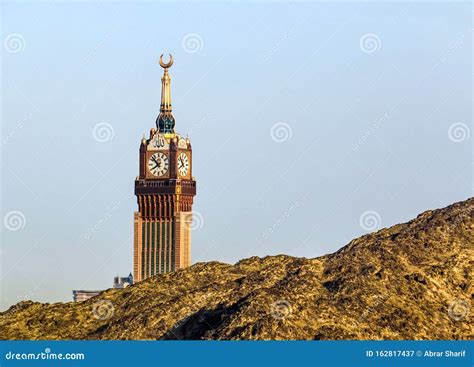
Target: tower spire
165 121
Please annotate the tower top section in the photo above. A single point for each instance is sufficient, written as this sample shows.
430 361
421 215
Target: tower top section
165 121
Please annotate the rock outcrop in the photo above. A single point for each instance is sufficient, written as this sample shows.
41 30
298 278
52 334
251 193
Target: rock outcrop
410 281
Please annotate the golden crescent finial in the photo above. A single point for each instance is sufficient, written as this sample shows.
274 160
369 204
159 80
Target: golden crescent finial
168 65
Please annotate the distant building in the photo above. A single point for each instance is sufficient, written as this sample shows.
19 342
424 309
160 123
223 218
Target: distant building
122 282
119 283
79 296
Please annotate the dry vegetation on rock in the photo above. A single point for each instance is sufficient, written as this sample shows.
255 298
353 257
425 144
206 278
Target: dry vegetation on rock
410 281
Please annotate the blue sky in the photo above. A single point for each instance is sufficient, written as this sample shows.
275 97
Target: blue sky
312 123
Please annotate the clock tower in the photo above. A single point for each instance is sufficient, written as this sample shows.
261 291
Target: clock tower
165 188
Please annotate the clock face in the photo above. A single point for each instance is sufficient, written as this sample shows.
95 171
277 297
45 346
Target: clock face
183 164
158 164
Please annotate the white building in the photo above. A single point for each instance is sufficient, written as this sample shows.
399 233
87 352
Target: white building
119 283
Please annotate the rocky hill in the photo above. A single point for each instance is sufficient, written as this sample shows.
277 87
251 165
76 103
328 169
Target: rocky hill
410 281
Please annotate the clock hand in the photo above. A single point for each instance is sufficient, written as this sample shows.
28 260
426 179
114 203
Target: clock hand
157 162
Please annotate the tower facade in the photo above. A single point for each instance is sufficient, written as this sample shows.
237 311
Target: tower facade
165 188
